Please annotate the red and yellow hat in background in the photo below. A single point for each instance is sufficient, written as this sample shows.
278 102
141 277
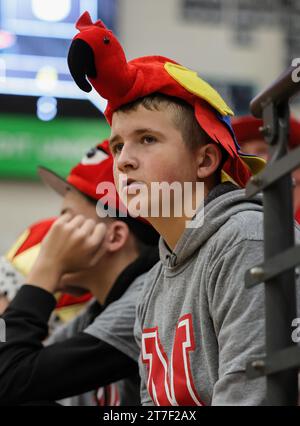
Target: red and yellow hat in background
95 167
96 53
246 128
25 250
247 132
18 262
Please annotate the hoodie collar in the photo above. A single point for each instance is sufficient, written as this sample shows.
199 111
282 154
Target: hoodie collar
223 201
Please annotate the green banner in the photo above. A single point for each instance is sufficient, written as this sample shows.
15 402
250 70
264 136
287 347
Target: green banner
26 142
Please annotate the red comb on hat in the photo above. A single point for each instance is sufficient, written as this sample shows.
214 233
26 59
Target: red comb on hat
95 52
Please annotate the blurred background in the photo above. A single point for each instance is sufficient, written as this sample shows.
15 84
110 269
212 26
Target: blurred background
239 46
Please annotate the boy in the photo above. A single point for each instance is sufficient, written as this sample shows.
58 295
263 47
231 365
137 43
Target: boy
197 325
81 251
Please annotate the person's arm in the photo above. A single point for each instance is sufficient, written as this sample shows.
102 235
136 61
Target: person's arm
31 372
238 317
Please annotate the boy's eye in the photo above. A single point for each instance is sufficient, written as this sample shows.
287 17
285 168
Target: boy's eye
149 139
117 148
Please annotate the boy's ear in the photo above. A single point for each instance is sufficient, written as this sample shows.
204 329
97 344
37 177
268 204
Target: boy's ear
209 159
117 236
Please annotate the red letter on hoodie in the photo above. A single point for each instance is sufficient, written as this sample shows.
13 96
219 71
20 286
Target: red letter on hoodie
171 385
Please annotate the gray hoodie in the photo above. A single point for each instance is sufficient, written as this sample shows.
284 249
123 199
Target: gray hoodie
197 325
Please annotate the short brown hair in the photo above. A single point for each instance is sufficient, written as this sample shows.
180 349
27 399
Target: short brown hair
184 119
182 114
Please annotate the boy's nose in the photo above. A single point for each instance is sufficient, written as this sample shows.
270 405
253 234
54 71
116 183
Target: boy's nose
126 160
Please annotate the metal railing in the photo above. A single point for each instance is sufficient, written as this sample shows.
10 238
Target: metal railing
281 256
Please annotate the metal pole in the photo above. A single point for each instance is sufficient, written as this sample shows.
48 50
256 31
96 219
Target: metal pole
280 296
283 88
280 365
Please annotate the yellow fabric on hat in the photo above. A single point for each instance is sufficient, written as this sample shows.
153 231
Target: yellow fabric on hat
255 164
226 178
13 250
67 313
24 261
194 84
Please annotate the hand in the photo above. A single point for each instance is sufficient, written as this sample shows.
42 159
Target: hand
72 244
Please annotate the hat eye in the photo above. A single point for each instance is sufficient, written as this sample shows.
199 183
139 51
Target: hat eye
106 40
91 153
93 157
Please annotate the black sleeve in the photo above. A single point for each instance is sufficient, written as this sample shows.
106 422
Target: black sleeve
31 372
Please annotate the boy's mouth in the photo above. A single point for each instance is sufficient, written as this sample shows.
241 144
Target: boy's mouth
134 185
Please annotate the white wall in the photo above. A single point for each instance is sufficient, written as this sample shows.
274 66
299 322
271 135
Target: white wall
155 27
21 204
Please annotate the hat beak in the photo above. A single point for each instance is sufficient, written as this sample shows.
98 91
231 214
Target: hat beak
56 182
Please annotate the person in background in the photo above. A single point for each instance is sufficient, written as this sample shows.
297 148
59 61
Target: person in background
251 141
94 354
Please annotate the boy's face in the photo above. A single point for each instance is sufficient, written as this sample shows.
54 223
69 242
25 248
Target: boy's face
76 203
147 148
